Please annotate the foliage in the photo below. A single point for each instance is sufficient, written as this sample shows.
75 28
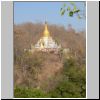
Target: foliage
73 84
71 9
29 93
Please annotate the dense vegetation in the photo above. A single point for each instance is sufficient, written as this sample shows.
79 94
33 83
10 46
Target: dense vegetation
72 84
69 81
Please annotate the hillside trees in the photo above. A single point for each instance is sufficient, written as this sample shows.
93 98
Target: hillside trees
73 83
27 66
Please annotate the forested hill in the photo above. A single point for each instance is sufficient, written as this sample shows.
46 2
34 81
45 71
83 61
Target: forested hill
47 74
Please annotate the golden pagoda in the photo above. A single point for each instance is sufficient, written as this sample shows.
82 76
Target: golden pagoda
46 42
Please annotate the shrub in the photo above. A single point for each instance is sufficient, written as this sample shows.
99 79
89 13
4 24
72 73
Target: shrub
29 93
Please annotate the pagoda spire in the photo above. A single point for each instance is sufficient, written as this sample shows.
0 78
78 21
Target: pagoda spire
46 31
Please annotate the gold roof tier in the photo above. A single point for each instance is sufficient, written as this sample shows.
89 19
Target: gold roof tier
46 32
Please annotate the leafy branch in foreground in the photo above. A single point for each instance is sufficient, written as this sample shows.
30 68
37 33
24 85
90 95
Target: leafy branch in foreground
71 9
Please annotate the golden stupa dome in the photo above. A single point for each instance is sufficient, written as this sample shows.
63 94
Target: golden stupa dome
46 32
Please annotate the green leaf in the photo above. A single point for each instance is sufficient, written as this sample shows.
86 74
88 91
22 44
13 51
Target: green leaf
63 12
75 8
64 5
71 13
68 8
76 11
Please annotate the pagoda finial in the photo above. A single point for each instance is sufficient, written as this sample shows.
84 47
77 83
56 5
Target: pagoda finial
45 21
46 32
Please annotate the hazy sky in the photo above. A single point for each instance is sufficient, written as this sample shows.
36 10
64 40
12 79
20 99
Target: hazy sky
39 11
